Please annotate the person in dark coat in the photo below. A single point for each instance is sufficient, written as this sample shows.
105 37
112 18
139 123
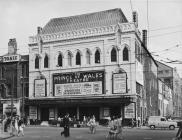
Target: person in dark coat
179 133
66 125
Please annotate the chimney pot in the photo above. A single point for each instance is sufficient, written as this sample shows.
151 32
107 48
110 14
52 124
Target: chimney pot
39 30
135 18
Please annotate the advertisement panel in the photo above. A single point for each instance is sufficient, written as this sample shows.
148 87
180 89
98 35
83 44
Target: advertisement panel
78 83
33 112
130 111
119 83
40 87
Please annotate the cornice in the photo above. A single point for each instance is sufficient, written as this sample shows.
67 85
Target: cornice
90 32
73 34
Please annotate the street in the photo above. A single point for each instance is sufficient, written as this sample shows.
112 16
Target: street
53 133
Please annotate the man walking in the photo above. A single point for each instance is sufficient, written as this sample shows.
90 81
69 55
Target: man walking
66 126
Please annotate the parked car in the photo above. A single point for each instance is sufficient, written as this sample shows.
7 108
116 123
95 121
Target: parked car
161 122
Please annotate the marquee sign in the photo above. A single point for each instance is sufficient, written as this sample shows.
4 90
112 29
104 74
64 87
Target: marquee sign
78 83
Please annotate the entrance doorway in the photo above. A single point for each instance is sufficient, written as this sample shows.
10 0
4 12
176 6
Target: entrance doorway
89 112
44 114
71 110
115 111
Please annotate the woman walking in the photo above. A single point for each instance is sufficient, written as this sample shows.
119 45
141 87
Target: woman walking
92 125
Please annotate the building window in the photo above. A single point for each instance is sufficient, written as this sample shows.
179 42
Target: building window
69 59
46 59
97 56
113 55
78 59
125 54
87 57
2 72
60 60
36 62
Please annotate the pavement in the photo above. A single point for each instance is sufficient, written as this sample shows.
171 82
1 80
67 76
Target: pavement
6 135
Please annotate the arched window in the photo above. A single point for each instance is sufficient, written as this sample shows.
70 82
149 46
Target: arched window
78 58
36 62
69 59
46 61
125 54
87 57
97 56
113 55
60 60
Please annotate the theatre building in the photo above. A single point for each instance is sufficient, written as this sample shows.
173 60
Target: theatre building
86 65
13 81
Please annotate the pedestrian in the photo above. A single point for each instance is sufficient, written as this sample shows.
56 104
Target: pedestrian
12 126
92 125
179 133
66 125
16 126
21 127
112 129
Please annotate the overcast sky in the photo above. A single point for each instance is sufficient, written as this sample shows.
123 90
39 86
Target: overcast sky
19 19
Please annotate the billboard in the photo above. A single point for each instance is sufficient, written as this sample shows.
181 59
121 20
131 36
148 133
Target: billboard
78 83
40 87
119 83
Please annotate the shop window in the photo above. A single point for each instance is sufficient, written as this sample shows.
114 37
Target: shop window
125 54
69 59
46 61
36 62
113 55
60 60
97 56
88 57
78 58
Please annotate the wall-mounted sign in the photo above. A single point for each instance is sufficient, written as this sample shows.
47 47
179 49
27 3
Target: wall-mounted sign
129 111
40 87
33 112
119 83
11 58
78 83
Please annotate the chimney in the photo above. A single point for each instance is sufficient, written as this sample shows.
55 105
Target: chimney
135 18
39 30
144 33
12 46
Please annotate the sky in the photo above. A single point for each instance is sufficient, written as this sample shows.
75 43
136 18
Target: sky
162 18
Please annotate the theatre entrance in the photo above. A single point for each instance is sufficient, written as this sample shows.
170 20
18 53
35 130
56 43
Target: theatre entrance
44 114
89 112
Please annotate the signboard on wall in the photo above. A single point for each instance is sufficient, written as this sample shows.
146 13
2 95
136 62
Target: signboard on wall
119 83
40 87
11 58
33 112
129 111
78 83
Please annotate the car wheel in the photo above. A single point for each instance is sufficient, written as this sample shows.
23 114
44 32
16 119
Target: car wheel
152 127
171 127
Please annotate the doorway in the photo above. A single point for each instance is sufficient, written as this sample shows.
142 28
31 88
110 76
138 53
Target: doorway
44 114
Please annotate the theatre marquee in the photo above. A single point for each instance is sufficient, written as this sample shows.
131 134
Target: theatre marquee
78 83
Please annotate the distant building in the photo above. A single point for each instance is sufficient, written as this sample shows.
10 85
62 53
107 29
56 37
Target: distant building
88 64
171 78
150 82
14 73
